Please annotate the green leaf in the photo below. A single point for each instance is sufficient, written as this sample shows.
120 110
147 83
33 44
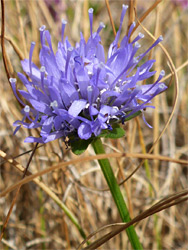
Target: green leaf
79 146
116 132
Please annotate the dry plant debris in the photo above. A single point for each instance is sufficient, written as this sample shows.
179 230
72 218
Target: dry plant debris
38 220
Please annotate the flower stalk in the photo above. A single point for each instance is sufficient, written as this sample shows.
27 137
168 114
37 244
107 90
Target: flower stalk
116 193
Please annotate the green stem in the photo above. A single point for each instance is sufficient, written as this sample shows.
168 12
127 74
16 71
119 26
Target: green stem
116 193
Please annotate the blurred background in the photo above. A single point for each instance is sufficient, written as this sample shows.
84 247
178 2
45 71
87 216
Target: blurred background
37 221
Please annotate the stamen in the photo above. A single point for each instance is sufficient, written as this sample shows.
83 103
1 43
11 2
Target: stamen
137 45
101 65
162 73
90 73
30 56
70 49
131 29
89 89
102 91
64 22
124 8
69 52
135 60
132 96
152 46
42 29
27 109
54 104
42 71
160 38
101 26
144 119
90 11
140 35
89 92
12 80
142 71
117 89
87 105
13 84
162 86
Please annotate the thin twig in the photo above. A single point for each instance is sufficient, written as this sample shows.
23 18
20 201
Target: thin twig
8 244
14 46
48 191
156 104
16 195
5 59
178 69
21 28
152 210
2 38
110 15
146 14
85 17
84 159
30 158
24 153
132 6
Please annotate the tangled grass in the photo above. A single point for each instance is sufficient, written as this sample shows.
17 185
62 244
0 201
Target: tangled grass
58 183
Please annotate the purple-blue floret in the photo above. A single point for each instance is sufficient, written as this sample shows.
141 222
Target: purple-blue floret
77 93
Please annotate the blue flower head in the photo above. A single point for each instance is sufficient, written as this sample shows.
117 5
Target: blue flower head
77 93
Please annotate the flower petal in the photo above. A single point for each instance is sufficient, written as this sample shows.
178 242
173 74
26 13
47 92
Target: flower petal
33 139
76 107
40 106
84 131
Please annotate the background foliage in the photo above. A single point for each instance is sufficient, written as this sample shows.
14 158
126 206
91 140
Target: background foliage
37 222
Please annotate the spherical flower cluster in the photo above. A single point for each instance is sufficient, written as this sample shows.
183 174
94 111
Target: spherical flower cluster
77 93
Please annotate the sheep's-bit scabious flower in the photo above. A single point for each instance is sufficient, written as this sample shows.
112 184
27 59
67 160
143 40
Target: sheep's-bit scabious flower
79 94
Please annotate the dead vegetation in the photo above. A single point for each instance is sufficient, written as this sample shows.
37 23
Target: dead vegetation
59 183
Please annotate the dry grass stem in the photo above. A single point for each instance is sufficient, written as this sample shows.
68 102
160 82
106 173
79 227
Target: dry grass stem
58 182
85 159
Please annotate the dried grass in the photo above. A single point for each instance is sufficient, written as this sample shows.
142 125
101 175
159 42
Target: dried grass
57 179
